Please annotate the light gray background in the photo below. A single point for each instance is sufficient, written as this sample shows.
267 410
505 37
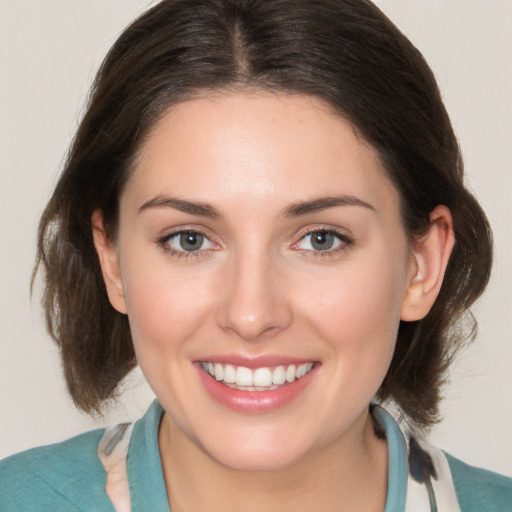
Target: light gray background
48 53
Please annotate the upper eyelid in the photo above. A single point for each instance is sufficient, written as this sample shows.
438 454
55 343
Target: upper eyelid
343 233
170 232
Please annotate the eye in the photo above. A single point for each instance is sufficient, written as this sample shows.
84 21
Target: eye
322 240
187 241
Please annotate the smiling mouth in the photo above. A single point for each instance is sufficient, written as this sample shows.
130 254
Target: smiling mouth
258 379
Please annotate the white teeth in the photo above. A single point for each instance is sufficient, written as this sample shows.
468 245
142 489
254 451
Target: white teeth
219 372
303 369
243 376
290 373
279 375
229 374
260 379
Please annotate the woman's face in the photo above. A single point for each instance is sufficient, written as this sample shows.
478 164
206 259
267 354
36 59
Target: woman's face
259 239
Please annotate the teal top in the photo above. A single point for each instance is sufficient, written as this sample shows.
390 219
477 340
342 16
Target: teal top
69 476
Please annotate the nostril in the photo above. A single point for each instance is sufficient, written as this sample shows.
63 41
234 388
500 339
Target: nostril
253 331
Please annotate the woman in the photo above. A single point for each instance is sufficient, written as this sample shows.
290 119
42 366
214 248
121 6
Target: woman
263 208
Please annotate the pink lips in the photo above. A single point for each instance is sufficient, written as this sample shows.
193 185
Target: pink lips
255 402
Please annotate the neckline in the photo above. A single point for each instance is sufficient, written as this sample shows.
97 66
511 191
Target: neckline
145 473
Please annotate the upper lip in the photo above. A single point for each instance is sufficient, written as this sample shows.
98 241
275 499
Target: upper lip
257 361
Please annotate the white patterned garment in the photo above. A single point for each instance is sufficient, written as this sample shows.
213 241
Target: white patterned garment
442 497
112 452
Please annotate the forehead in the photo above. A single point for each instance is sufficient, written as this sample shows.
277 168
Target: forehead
260 148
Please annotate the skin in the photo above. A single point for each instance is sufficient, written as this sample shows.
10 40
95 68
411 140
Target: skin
259 287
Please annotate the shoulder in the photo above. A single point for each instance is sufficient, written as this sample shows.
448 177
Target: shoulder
60 477
478 489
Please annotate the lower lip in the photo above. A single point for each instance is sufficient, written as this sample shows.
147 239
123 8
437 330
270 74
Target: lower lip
254 402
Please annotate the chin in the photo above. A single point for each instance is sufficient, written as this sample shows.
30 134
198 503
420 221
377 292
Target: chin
259 453
257 461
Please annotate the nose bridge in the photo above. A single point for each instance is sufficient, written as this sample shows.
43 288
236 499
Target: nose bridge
255 303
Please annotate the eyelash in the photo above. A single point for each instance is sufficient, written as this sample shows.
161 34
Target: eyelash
345 242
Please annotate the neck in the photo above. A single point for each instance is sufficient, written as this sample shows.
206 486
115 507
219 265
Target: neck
346 475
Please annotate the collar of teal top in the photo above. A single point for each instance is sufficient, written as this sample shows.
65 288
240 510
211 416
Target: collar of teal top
145 474
147 485
397 461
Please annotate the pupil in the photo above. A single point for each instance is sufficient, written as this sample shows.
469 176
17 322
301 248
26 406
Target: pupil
191 241
322 240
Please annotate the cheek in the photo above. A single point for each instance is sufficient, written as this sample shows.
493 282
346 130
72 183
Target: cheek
357 307
165 307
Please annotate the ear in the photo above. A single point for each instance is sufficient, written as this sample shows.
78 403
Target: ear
109 262
430 256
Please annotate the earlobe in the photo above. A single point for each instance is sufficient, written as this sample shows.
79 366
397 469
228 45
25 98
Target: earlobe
430 256
109 263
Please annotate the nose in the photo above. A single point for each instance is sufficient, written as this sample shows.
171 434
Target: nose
254 301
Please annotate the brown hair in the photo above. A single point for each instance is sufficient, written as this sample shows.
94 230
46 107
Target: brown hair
345 52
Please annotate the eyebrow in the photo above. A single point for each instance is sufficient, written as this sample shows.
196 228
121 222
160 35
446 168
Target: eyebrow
323 203
194 208
294 210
